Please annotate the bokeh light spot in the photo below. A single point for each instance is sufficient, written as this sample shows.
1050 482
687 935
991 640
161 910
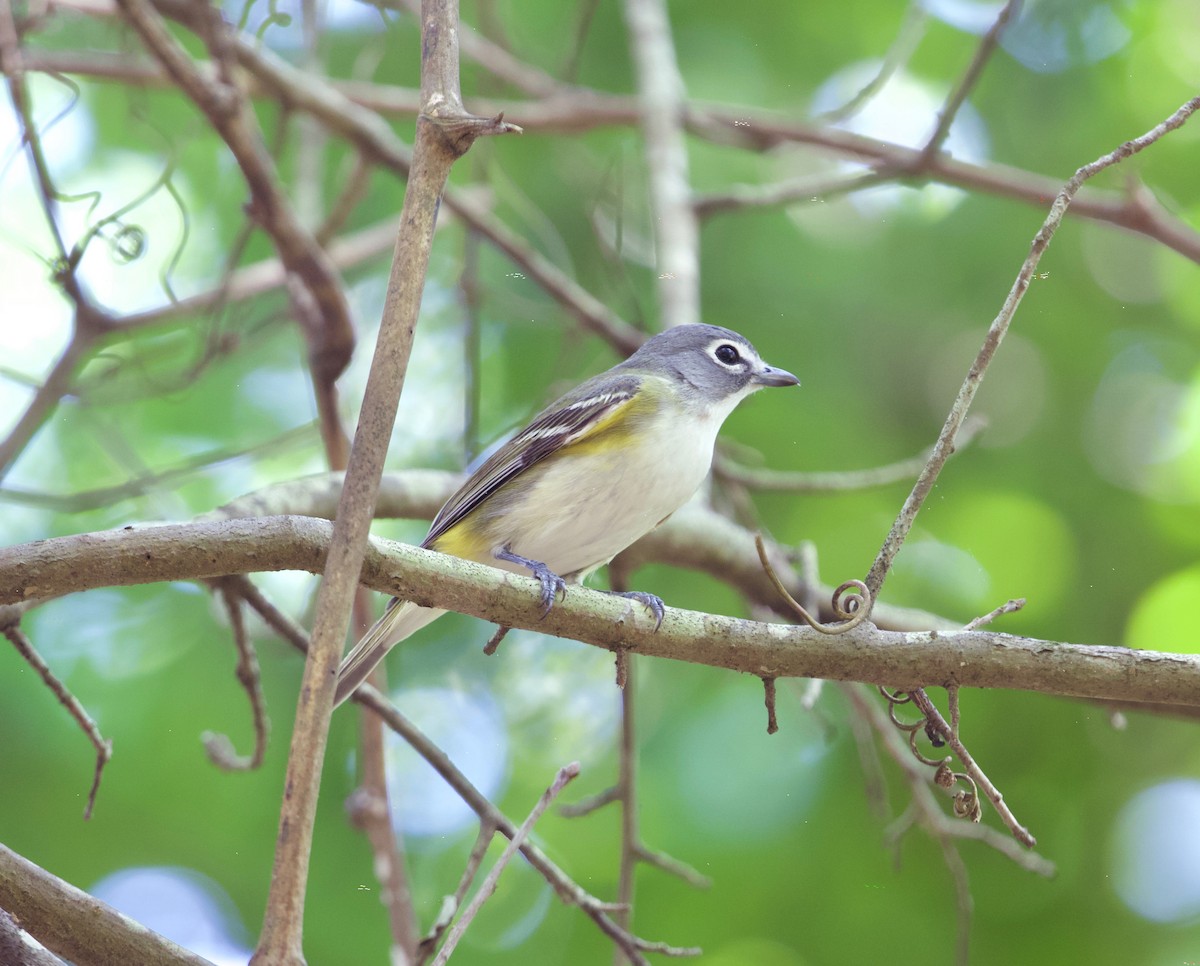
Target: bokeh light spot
1156 854
184 906
1164 617
469 728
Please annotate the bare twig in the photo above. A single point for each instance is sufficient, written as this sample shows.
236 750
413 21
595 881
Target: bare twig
1138 213
490 817
627 795
102 745
331 337
451 904
72 924
90 322
374 137
672 866
908 36
489 55
966 394
934 718
662 97
271 615
220 749
354 189
268 275
932 814
935 724
789 192
567 890
144 482
56 385
493 643
370 809
488 886
769 700
591 804
967 82
838 480
1008 607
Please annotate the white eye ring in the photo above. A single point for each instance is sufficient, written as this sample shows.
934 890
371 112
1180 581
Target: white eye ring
727 354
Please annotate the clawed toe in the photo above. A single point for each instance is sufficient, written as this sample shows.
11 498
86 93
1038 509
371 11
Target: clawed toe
552 583
649 601
552 586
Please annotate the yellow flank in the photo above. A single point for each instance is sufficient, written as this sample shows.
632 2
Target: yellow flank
618 425
474 536
464 540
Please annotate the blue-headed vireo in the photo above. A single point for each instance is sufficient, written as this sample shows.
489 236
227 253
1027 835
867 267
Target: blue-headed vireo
593 473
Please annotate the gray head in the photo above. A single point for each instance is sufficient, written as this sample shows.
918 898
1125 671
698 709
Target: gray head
714 363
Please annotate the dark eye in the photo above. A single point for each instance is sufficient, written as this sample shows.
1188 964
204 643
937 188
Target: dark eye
727 354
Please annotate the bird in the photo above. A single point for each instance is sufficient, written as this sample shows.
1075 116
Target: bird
589 476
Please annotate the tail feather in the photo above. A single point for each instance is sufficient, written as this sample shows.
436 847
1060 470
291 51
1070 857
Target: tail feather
399 620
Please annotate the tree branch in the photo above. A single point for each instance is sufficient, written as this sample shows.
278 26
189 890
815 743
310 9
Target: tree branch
444 133
995 334
662 98
69 922
76 710
573 109
488 886
331 338
906 660
696 537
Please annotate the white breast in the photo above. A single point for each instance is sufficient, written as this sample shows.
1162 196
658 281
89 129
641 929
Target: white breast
581 512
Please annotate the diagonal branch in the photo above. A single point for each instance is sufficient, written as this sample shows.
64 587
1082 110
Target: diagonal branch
444 133
77 711
958 97
330 336
488 886
995 334
69 922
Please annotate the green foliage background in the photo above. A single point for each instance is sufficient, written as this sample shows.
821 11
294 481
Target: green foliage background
1083 496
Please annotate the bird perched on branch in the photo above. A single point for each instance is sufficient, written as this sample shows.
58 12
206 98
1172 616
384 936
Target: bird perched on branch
590 475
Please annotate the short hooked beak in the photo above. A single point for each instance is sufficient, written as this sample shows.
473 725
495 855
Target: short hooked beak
770 376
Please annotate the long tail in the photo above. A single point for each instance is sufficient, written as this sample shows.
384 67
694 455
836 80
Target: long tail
400 619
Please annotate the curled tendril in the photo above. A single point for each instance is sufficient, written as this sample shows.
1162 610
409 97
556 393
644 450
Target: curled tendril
966 802
903 725
851 609
851 606
127 244
912 745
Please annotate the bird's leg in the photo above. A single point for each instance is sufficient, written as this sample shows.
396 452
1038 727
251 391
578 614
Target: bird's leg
552 583
649 601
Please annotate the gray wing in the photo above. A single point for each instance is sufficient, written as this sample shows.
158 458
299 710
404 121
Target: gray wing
587 409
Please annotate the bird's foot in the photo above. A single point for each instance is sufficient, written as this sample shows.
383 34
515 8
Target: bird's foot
649 601
552 583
